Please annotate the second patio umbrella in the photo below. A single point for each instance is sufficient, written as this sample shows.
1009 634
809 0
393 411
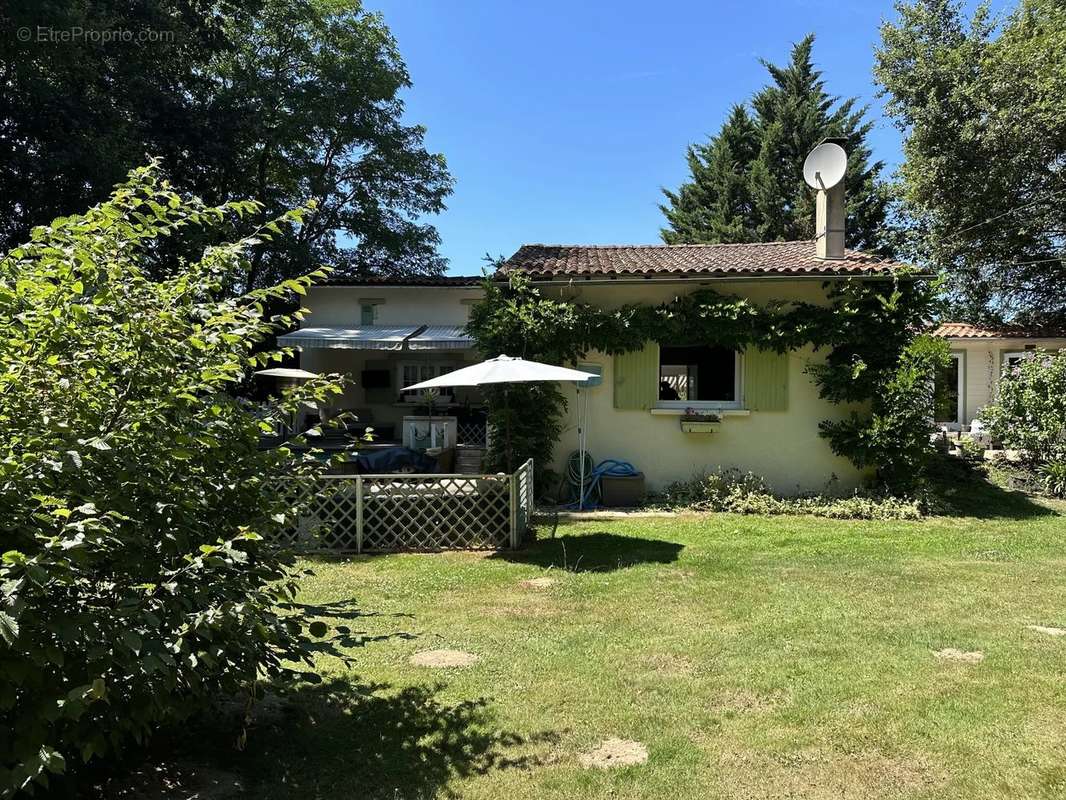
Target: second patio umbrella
506 370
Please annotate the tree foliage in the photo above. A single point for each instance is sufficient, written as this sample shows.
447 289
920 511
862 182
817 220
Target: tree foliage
277 100
894 435
867 327
746 183
981 108
137 579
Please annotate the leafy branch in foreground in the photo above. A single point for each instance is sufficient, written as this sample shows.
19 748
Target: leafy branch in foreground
137 580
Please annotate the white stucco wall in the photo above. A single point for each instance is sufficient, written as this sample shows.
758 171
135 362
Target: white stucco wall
339 306
982 361
782 447
403 305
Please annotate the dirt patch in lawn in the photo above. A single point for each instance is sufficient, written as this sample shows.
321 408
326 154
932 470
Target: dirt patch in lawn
670 664
442 659
960 656
1047 630
821 775
538 583
614 753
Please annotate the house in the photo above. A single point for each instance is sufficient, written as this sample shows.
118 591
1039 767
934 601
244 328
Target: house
389 334
769 405
978 358
386 334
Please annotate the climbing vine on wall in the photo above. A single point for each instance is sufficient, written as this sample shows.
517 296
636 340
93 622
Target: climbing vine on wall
869 327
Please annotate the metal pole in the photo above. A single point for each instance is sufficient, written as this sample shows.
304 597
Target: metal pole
359 514
580 449
514 511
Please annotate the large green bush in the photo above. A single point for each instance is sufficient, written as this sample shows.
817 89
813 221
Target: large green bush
136 581
1029 410
894 436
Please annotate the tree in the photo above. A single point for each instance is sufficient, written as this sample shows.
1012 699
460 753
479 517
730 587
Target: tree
281 100
981 107
138 579
746 183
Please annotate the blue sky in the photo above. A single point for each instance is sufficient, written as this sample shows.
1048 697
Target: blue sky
561 120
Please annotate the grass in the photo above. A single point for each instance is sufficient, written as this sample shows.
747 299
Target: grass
754 657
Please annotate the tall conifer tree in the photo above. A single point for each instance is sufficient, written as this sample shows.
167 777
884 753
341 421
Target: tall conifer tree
746 182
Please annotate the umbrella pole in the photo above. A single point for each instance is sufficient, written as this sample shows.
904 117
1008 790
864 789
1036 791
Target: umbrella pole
581 403
507 418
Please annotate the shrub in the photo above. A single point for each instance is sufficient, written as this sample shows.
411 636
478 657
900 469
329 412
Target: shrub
1029 411
739 492
896 436
1054 478
136 581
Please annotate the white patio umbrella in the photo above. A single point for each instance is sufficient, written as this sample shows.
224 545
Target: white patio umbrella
506 369
286 372
290 373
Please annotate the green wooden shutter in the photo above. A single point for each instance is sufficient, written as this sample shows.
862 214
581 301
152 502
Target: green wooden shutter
765 380
636 378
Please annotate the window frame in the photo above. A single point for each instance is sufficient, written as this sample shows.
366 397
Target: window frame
707 405
960 389
415 397
1009 354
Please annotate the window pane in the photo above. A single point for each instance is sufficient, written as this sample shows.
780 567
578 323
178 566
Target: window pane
697 373
946 393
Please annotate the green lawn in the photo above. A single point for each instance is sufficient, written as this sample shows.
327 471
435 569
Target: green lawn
754 657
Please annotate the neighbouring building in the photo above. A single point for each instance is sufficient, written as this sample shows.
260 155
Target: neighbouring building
978 357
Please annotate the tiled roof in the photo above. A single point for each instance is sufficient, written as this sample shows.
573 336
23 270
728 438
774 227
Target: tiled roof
696 260
411 280
964 330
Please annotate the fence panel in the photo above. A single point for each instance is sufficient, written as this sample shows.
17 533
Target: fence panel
343 513
435 512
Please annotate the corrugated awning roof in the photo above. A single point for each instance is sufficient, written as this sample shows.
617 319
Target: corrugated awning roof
440 337
380 337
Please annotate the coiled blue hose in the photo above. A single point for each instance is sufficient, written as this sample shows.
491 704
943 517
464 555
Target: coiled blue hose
591 494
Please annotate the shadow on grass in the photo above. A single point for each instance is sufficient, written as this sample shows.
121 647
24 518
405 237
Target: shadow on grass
968 492
594 552
335 741
344 740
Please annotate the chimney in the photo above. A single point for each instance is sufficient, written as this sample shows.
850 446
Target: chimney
829 216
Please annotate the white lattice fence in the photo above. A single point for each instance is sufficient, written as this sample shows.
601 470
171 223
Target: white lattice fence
357 513
522 494
472 434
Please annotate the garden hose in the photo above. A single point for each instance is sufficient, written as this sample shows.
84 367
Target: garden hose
589 495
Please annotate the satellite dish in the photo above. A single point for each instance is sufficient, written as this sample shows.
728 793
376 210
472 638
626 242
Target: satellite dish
825 165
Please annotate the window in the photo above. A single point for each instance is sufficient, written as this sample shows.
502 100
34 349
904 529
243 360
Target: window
947 392
366 314
416 372
699 376
1015 358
